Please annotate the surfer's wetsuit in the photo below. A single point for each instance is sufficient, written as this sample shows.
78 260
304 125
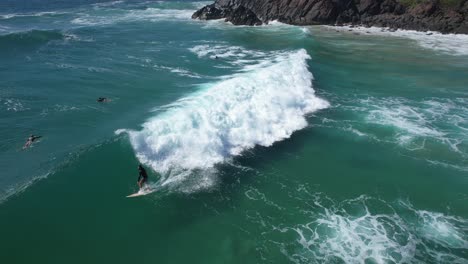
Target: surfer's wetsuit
143 176
30 140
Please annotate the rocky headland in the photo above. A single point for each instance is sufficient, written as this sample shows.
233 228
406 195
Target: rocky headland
446 16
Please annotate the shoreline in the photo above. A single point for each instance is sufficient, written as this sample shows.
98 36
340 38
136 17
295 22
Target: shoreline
377 29
449 44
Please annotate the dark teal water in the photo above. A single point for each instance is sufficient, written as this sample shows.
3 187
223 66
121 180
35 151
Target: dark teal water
274 144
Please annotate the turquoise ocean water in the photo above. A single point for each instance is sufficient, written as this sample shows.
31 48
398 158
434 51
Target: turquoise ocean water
271 144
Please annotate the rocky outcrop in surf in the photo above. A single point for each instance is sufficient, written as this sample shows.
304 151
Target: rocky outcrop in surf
446 16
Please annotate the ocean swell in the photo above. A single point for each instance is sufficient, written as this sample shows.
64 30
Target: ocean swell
27 39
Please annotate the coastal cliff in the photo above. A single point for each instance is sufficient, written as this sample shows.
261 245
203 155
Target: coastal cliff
446 16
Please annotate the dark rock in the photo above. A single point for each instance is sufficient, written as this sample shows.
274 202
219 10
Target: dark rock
243 16
209 12
424 9
427 15
238 15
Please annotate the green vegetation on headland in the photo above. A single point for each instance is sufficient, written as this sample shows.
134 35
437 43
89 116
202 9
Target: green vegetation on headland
443 3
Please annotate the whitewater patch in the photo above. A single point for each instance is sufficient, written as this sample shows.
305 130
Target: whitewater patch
38 14
441 120
401 235
75 37
361 230
237 57
451 44
226 52
107 4
179 71
430 129
14 105
225 118
119 16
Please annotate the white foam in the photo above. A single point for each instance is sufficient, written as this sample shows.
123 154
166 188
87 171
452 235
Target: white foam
20 187
306 31
149 14
447 165
453 44
12 104
225 51
180 71
107 4
405 118
74 37
38 14
226 118
413 124
356 239
444 230
65 108
237 56
352 231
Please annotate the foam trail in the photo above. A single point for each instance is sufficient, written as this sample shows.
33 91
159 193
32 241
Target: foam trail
258 107
38 14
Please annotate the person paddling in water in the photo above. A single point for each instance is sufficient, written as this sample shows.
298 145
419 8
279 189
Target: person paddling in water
103 100
30 140
143 176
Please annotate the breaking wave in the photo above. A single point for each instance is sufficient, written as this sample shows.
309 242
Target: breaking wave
258 107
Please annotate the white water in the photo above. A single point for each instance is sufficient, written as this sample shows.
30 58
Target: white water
431 129
258 107
118 16
352 232
451 44
38 14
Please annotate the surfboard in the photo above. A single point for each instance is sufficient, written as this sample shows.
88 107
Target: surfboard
136 194
142 192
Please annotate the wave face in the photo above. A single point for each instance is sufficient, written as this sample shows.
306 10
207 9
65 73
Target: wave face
27 39
226 118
